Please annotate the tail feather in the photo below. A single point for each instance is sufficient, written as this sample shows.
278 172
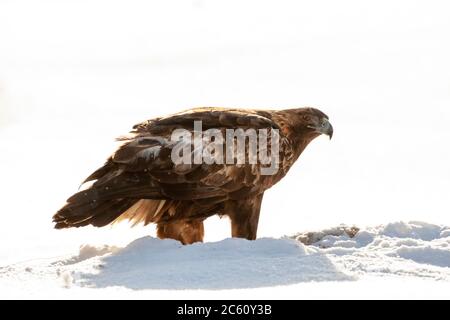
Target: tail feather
111 214
112 195
102 215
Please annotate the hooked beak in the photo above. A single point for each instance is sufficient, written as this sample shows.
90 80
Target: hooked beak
325 127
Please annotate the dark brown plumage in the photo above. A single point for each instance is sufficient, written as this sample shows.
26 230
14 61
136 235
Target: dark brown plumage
140 182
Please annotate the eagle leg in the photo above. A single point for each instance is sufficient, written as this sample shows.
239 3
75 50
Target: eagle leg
244 216
187 232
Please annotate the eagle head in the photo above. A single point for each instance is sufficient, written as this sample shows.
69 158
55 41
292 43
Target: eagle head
312 122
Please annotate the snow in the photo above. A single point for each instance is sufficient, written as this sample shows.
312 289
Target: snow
228 264
148 265
380 71
414 249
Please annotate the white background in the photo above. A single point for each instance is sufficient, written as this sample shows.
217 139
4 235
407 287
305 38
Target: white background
76 74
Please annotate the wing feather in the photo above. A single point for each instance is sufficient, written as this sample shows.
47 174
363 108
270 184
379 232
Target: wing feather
139 182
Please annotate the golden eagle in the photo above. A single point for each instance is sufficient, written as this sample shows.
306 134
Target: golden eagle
141 182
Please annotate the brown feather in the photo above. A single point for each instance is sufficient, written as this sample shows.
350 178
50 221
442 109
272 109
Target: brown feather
140 183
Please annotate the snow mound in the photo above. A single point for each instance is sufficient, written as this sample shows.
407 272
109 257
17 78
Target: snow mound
414 230
415 249
149 263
